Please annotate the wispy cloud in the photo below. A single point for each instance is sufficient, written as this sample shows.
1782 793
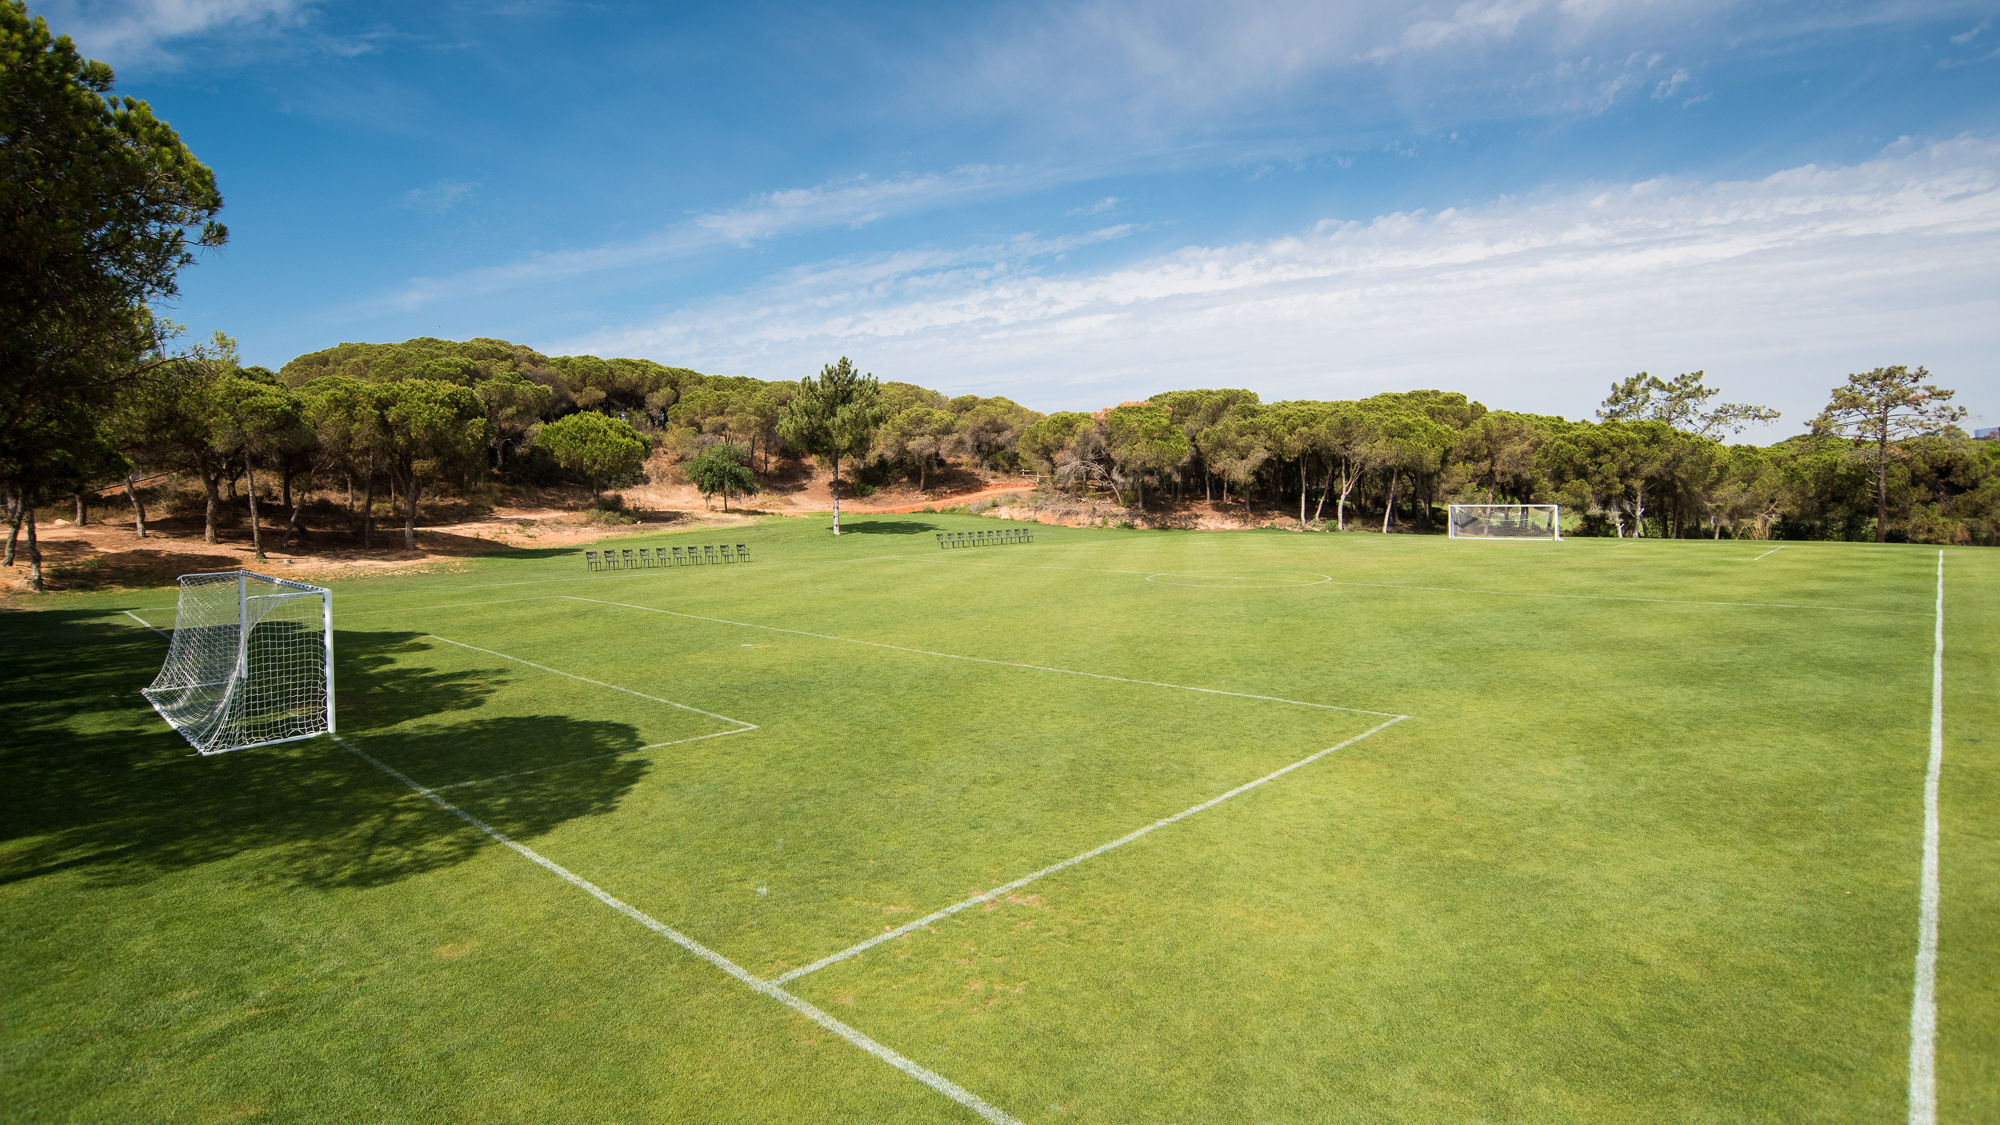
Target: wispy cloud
1498 19
438 197
1108 203
143 32
851 202
1778 284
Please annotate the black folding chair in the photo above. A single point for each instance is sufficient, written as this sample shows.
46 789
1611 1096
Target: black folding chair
707 555
742 553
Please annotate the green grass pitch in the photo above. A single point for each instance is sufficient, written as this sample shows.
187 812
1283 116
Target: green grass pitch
1618 831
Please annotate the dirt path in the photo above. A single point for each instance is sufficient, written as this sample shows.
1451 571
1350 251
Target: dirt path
954 500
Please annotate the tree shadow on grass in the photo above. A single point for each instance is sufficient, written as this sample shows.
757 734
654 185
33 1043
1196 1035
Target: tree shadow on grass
99 784
886 527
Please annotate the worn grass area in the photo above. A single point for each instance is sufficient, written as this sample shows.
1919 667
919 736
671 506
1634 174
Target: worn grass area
1645 849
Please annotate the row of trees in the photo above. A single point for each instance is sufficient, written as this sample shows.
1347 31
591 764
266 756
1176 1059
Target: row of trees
1654 462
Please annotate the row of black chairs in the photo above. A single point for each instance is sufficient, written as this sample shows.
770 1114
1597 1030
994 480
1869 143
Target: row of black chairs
950 539
650 557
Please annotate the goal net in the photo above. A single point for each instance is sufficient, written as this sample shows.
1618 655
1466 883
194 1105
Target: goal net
1505 521
250 662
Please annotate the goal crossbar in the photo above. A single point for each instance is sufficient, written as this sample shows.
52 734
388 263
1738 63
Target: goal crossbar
1504 521
249 663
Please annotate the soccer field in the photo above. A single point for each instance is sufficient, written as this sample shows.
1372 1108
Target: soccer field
1114 826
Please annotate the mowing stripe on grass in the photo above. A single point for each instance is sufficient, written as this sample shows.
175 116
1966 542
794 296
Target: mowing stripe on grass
650 573
448 605
1457 590
926 1076
1923 1000
599 683
1120 842
981 659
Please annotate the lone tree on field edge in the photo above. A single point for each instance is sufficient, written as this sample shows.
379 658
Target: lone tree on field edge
596 445
723 467
1880 407
834 416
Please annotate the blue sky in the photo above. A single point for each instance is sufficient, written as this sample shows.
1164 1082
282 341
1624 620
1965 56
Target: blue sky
1077 204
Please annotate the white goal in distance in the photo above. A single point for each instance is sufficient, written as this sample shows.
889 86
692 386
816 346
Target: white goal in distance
250 662
1504 521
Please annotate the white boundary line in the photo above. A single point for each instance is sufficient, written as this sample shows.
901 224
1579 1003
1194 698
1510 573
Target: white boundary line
1923 999
1456 590
599 683
926 1076
1074 860
147 624
980 659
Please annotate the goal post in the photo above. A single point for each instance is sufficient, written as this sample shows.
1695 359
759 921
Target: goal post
1504 521
250 662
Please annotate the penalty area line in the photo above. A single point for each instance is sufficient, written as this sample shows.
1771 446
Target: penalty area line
1093 853
581 761
147 624
599 683
982 659
931 1078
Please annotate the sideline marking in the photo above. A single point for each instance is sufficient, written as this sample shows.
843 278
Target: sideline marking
1923 1001
976 659
1073 860
1456 590
928 1077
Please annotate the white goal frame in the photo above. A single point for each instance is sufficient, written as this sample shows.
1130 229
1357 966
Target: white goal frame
1513 516
249 663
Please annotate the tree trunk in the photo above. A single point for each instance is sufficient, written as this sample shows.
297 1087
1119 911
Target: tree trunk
410 515
350 502
82 512
14 514
34 555
1139 485
1882 488
292 525
256 530
1389 509
836 496
138 509
210 484
367 512
1302 491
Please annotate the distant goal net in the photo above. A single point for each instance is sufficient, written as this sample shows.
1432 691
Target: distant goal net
1505 521
250 662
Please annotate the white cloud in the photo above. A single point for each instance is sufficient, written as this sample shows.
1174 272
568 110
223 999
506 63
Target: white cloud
1777 286
140 31
1108 203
